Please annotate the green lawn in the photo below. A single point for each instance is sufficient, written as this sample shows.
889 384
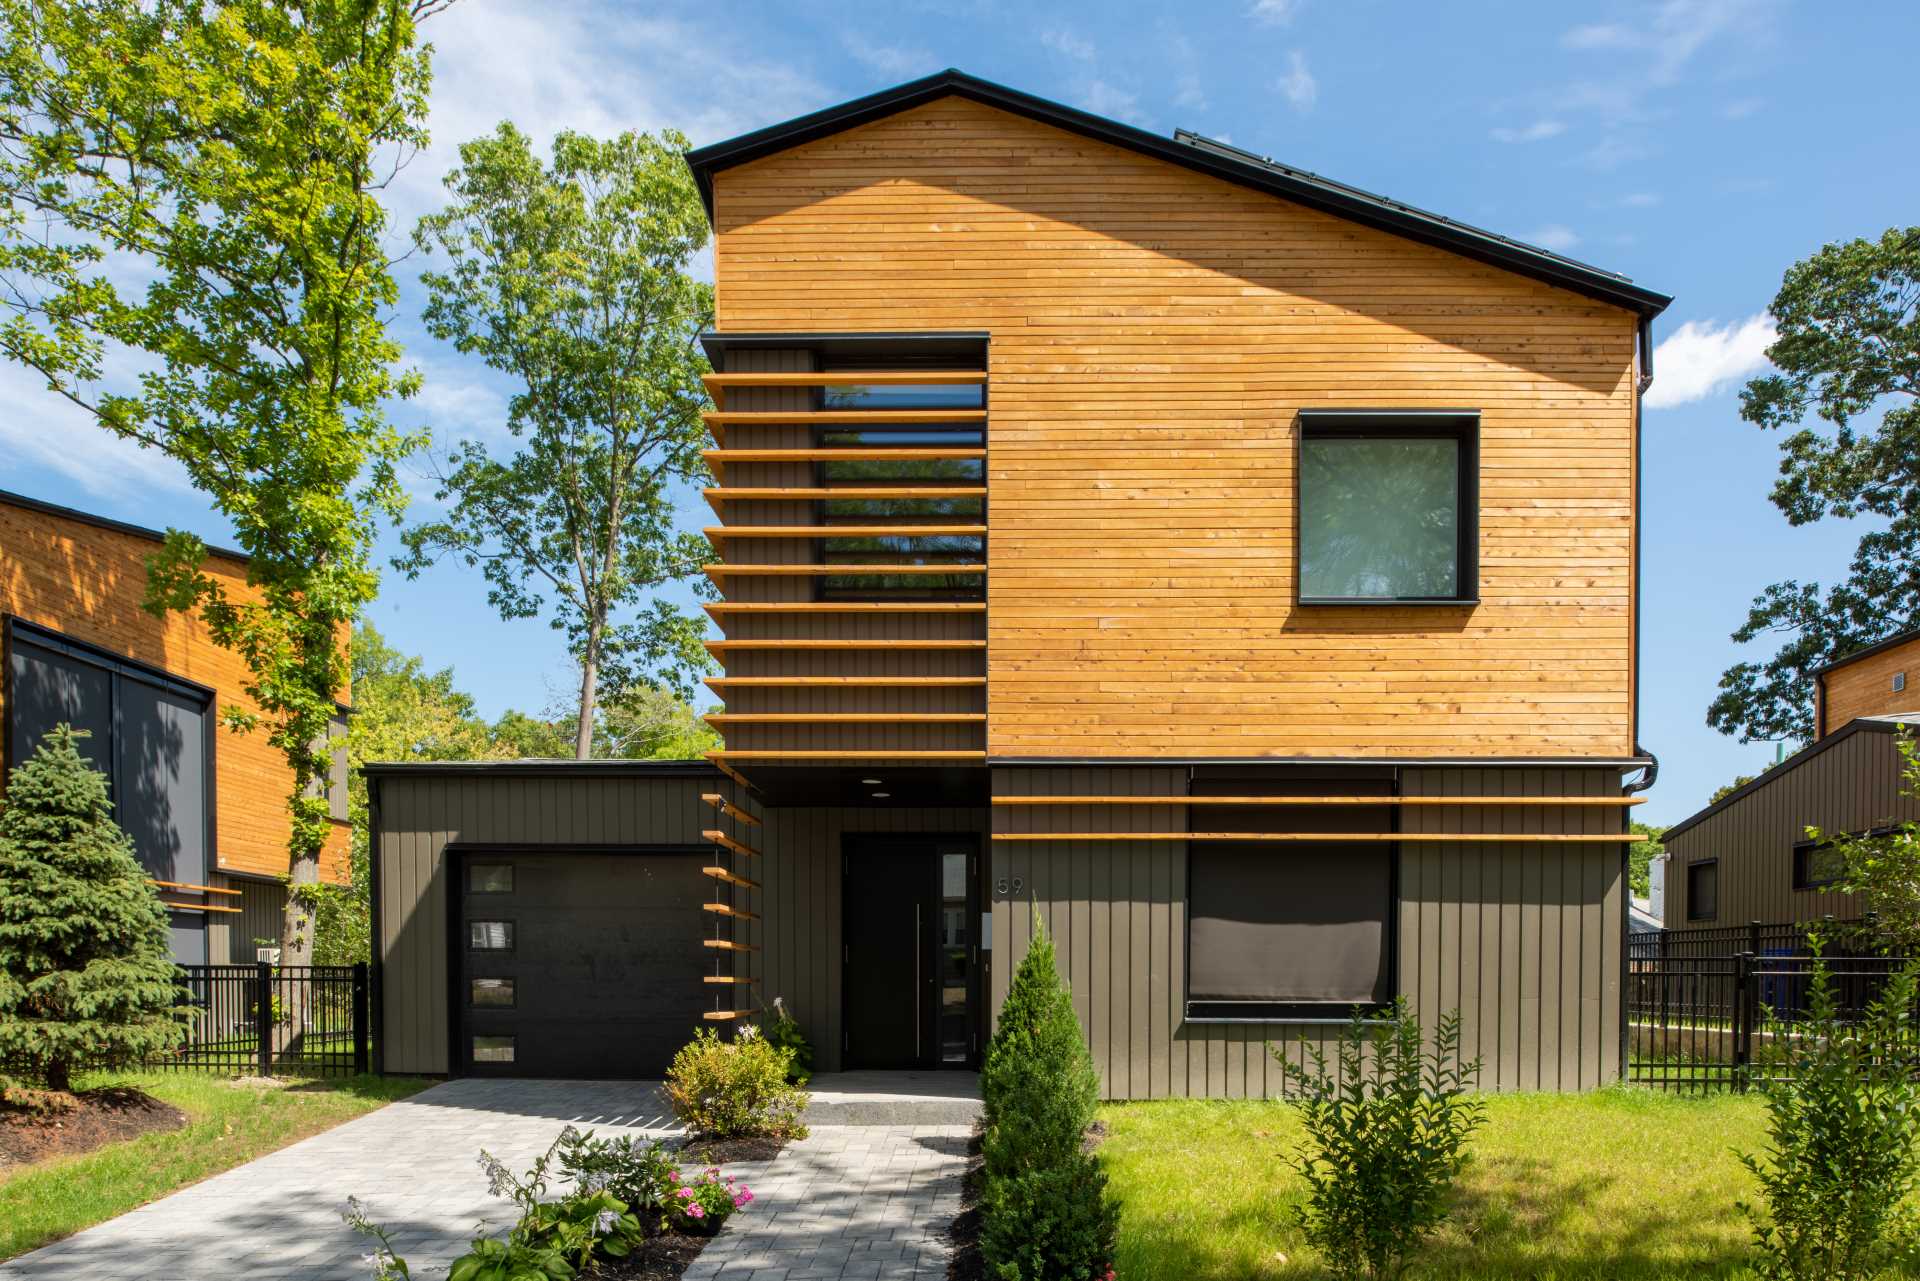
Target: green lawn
230 1124
1620 1184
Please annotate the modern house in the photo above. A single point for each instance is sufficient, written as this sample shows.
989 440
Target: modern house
206 809
1233 568
1747 857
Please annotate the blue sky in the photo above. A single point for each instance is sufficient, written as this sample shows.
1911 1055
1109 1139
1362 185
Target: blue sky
1700 146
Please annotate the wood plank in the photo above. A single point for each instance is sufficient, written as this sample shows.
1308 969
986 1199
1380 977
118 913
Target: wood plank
846 718
731 772
1330 838
728 945
200 889
841 417
851 378
734 913
838 531
722 874
917 453
1614 801
728 808
847 607
735 570
199 907
727 842
836 682
729 1016
807 642
740 980
777 493
875 754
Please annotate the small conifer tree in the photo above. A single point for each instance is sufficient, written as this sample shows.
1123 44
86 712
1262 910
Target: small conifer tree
1045 1211
85 972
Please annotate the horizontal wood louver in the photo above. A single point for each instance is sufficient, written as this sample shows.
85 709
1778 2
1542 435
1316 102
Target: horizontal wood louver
851 496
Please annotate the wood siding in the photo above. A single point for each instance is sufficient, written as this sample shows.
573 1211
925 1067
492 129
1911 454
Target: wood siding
1865 687
1851 786
87 581
1524 939
1154 334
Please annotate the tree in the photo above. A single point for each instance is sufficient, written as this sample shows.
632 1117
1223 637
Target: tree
192 191
1884 868
573 279
1849 343
1640 856
85 972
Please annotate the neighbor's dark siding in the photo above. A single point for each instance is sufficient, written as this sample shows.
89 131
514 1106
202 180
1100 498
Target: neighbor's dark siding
1852 786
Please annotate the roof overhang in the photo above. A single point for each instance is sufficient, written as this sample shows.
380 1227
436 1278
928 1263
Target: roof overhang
1219 161
1773 774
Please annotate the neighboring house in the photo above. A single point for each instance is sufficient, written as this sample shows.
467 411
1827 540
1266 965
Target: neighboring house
1641 918
206 808
1235 568
1747 856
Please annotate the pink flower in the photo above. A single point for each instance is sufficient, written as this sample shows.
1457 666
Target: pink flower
695 1212
687 1192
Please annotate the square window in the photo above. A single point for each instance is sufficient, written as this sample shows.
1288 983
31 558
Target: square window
493 1049
491 994
1703 890
1817 866
490 878
1388 508
490 936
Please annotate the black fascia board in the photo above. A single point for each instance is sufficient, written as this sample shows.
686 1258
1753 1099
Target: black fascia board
1878 647
1773 773
1229 164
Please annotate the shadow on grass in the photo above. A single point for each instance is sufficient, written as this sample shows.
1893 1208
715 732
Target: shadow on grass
383 1088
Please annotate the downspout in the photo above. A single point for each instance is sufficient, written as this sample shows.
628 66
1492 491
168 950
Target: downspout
1644 349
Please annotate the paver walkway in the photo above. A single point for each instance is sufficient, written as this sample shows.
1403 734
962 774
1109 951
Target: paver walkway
857 1201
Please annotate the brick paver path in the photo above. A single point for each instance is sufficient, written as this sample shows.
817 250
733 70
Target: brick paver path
855 1201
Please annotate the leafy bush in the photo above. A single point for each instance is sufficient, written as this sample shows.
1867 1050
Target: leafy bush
783 1033
730 1089
703 1204
574 1227
640 1173
1841 1171
1387 1128
85 972
1044 1209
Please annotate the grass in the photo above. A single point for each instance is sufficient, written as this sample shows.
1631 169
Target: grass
1619 1184
229 1124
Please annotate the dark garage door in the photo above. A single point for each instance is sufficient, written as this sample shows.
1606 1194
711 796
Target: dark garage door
578 965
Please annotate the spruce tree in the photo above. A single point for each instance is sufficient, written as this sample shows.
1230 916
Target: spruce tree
85 972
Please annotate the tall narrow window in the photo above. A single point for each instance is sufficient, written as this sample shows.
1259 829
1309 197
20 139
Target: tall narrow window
1703 890
1387 507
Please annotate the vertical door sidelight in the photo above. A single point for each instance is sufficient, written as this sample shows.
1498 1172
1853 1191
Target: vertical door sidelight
910 960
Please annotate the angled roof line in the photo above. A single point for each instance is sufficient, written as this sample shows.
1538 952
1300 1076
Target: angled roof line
1868 651
1773 773
10 499
1192 152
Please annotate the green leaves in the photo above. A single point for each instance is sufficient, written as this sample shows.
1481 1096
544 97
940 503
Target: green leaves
1848 345
573 279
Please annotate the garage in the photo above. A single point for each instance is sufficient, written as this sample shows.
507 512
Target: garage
576 964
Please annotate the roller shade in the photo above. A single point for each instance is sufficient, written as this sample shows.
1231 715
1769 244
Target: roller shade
1305 925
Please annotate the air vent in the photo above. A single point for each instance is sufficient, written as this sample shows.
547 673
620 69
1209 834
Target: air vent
1899 681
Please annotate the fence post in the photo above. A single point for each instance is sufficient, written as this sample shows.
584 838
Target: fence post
360 1019
1742 1017
263 1015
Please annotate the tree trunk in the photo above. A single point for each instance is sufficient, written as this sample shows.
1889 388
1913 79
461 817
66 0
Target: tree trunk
59 1076
589 679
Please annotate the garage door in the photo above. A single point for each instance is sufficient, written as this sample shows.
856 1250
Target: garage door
578 965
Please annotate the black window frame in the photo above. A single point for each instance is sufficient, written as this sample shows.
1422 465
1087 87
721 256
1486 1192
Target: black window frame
513 935
1459 425
1693 903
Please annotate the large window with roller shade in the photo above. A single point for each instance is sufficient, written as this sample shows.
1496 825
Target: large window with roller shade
1290 930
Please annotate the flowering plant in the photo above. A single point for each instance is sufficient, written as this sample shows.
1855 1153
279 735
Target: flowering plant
702 1204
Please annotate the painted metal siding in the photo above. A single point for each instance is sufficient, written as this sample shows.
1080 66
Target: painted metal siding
1525 940
1852 786
262 904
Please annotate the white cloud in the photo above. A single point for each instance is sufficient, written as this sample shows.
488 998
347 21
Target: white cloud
1741 108
1298 84
1553 236
1639 200
1538 131
1111 101
1701 359
1274 12
1611 153
1599 36
41 429
1676 31
889 60
1067 44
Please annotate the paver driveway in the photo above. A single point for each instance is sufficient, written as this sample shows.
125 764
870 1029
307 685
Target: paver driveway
855 1201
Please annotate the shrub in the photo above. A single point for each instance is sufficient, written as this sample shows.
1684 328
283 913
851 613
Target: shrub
572 1228
1387 1128
783 1033
730 1089
701 1205
1840 1172
1044 1209
85 971
641 1174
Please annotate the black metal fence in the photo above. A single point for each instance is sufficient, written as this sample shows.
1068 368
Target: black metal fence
1700 1019
272 1020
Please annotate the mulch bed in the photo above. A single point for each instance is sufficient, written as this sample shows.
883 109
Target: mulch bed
722 1151
964 1232
38 1126
661 1258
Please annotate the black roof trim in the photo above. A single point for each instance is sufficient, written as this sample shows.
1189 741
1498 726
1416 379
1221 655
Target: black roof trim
1384 762
1799 758
1192 152
541 768
11 499
1880 646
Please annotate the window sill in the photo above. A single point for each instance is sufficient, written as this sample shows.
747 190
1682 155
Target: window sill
1221 1021
1457 602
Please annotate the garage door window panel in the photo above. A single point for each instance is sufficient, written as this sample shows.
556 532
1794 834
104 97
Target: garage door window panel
490 936
493 1049
490 878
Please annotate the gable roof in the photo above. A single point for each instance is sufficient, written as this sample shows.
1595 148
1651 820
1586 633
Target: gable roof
10 499
1774 773
1878 647
1194 152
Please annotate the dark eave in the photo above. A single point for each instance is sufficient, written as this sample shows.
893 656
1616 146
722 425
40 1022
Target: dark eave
1860 725
1878 647
1202 155
11 499
541 768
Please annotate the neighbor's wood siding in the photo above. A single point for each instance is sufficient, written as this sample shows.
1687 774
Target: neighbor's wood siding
1852 786
87 582
1154 333
1865 688
1524 940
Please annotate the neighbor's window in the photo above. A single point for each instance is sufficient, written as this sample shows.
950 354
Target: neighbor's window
1387 507
1703 890
490 936
1817 866
493 1049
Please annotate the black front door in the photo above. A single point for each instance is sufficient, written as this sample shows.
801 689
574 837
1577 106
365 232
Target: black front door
912 955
